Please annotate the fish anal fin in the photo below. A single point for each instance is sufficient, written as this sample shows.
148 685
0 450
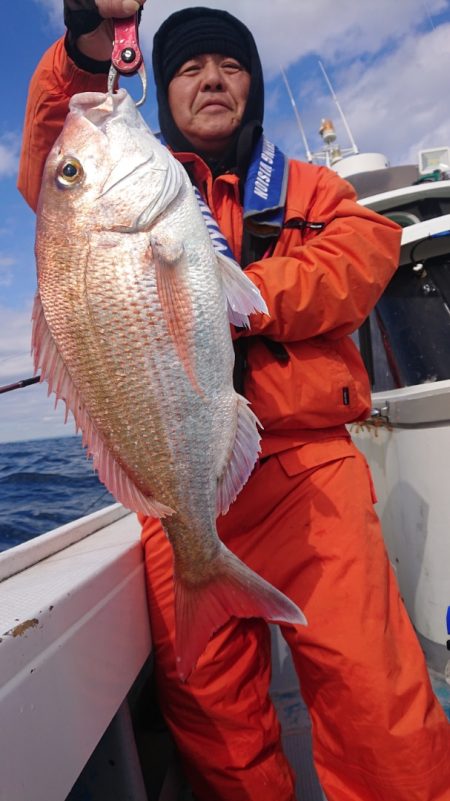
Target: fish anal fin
243 457
55 372
234 591
113 475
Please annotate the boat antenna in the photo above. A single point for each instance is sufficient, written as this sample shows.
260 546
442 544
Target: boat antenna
338 105
309 155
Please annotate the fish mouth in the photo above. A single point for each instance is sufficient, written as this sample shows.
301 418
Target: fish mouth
100 106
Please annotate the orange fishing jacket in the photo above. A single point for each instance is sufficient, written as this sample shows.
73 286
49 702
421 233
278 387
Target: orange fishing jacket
319 286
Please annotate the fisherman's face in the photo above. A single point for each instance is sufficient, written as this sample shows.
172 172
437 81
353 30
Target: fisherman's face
207 98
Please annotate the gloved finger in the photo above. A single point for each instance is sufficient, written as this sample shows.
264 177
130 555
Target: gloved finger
84 16
118 8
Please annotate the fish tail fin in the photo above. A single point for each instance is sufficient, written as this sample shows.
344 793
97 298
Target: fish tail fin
234 591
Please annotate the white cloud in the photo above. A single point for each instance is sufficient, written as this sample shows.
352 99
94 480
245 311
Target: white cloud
9 154
387 62
286 30
399 104
54 8
29 414
6 274
15 342
26 413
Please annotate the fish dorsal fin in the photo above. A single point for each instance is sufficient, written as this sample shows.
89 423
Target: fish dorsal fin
242 296
243 457
55 372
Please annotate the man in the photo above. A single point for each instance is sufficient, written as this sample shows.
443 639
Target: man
305 520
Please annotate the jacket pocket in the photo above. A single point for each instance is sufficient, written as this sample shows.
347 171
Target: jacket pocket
315 454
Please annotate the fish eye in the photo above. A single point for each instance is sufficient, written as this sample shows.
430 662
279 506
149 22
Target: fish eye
69 172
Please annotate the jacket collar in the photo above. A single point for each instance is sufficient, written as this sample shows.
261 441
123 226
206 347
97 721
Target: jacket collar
264 188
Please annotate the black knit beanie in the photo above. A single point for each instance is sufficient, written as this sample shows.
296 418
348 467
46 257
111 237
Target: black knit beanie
195 31
204 33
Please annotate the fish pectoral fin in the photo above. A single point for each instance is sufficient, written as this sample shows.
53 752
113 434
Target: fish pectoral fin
234 591
242 296
110 473
168 258
243 457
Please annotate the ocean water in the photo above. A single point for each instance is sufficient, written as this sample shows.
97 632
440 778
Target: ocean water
44 484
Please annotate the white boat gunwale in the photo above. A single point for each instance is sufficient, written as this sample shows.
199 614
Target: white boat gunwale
74 635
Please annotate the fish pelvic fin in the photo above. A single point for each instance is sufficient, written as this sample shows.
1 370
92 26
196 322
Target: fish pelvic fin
243 457
234 591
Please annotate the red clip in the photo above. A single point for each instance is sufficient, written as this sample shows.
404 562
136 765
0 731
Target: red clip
126 56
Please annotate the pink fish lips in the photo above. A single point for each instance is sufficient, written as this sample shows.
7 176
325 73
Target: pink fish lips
131 330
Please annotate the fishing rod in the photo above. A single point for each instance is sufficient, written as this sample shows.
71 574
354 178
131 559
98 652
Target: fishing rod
24 382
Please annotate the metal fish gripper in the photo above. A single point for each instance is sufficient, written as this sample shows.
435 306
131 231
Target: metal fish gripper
127 57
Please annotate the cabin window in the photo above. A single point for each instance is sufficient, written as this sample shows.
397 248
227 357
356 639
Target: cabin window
424 208
406 339
403 218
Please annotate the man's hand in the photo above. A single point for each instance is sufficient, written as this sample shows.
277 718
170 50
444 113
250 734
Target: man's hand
90 27
118 8
84 16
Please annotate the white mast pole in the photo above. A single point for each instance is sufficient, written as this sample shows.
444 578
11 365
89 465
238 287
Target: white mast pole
297 116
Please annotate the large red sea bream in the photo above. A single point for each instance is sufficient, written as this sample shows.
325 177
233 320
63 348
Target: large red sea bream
131 330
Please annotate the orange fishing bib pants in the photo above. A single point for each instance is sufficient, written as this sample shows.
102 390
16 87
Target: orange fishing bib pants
305 521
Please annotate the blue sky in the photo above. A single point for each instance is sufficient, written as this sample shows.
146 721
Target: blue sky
388 62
